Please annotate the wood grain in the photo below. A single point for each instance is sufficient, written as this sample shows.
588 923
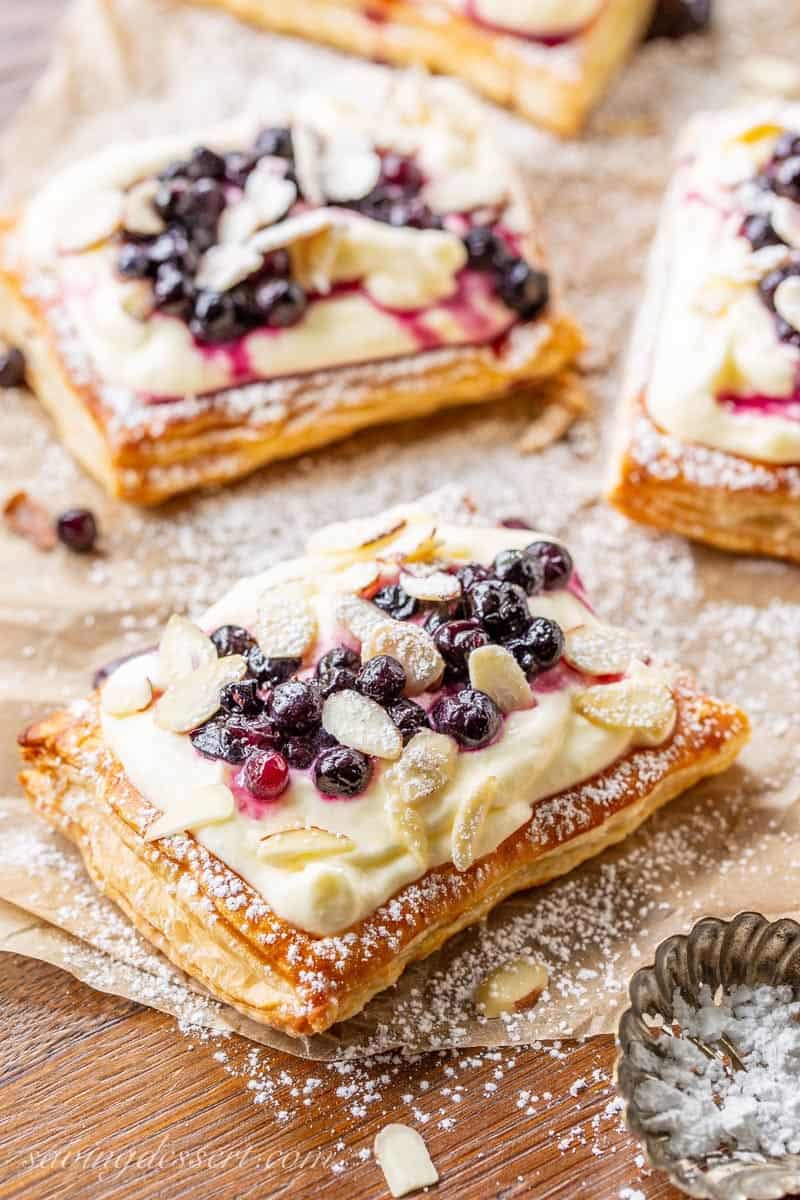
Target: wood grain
103 1099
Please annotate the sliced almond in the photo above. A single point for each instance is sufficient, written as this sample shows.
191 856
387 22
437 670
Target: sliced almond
416 543
349 173
427 764
286 625
785 217
26 517
404 1159
495 671
413 648
358 616
292 845
271 195
361 723
182 649
787 300
123 696
238 222
223 266
136 299
307 165
204 806
409 828
357 578
436 586
139 214
513 987
639 703
98 217
470 818
293 229
600 649
194 698
344 537
465 190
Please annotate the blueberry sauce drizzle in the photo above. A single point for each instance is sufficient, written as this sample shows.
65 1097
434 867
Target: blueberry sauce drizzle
270 723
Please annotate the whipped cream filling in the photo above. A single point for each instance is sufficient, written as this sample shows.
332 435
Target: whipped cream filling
540 751
709 337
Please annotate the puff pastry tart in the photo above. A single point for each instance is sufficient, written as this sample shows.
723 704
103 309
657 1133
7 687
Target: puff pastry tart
550 60
711 425
360 752
190 311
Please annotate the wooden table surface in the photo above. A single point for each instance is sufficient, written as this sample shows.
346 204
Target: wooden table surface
102 1098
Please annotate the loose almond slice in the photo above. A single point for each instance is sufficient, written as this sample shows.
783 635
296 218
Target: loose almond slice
787 300
409 828
223 266
28 518
436 586
344 537
286 626
271 195
495 671
413 648
139 214
404 1159
357 578
182 649
123 696
513 987
361 723
293 229
194 698
638 703
307 167
359 616
349 173
469 821
99 216
600 649
308 843
426 765
238 222
785 217
416 543
136 299
204 806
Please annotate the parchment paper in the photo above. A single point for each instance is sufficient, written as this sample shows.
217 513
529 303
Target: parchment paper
124 67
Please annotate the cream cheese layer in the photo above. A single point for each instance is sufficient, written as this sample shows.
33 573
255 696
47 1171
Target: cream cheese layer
540 751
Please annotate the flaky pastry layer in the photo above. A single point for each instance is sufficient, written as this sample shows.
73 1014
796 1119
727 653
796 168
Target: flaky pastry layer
555 87
212 924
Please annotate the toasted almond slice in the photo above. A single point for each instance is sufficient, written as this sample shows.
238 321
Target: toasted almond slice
413 648
136 299
356 578
344 537
204 806
409 828
349 174
548 427
426 765
362 724
600 649
286 626
513 987
639 703
139 214
194 698
99 216
437 586
495 671
307 166
238 222
404 1159
358 616
469 821
26 517
293 229
308 843
223 266
785 217
415 543
182 649
271 195
787 300
123 696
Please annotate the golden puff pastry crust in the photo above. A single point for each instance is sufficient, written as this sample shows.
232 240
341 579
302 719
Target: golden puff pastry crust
211 924
552 85
399 321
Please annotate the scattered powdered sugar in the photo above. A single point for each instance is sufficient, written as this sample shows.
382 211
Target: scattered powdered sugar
708 1103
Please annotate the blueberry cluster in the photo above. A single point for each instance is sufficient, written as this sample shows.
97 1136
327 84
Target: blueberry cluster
523 288
781 176
191 198
679 18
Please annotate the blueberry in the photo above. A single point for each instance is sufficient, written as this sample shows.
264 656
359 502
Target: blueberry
470 716
502 608
786 332
540 646
485 249
341 771
12 368
201 203
232 639
455 641
134 262
515 566
173 246
295 706
452 610
205 162
269 671
786 180
238 166
216 318
787 146
340 658
300 752
556 562
242 698
757 228
77 529
402 173
280 302
678 18
166 198
382 678
172 291
258 731
215 740
395 601
274 143
472 573
409 718
523 289
266 774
